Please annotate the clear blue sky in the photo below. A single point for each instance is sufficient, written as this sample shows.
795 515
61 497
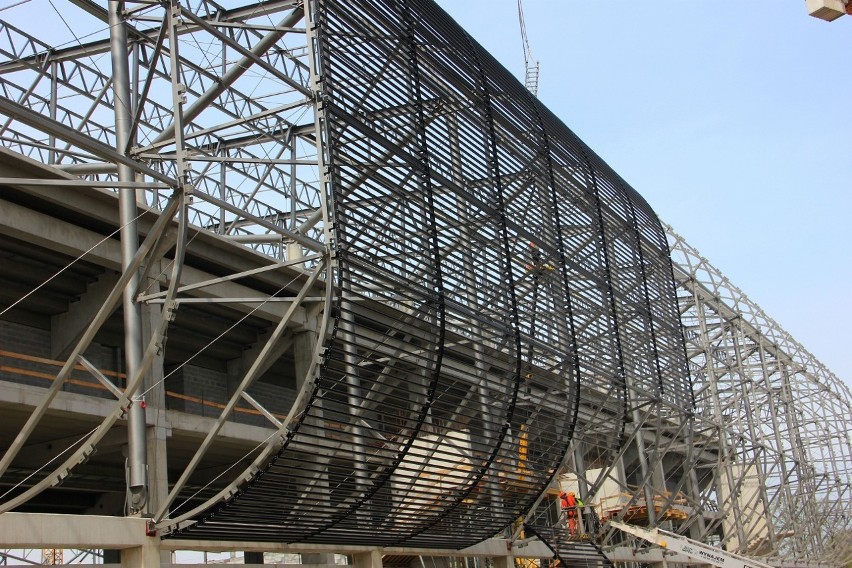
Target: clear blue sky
734 121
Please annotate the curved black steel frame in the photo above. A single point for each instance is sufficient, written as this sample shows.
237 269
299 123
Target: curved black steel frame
487 264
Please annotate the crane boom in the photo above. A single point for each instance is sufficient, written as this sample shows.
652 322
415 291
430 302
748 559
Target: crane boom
530 65
691 548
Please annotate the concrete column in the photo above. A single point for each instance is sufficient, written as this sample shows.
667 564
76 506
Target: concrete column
155 399
146 556
294 250
372 559
252 557
507 561
156 435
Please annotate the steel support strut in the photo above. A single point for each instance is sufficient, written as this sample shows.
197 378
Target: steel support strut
137 450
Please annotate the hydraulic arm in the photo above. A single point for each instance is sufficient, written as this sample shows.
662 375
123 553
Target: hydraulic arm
692 548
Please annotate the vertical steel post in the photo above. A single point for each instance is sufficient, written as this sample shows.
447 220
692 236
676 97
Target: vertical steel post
135 101
725 477
804 483
785 490
471 295
137 451
582 486
294 195
353 381
223 178
641 456
739 341
52 157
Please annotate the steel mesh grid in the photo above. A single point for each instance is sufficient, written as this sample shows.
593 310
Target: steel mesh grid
488 265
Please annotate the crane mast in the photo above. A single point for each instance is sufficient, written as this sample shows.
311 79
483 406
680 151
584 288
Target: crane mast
531 65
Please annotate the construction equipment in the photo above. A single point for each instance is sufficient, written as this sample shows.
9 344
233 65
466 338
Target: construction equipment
691 548
530 65
828 10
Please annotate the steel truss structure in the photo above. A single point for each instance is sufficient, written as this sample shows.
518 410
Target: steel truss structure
457 302
783 450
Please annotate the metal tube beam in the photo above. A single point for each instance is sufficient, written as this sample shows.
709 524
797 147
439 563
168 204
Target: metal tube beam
234 72
76 52
137 448
75 137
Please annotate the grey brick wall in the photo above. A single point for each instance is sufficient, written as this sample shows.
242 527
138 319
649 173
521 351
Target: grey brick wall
206 387
26 359
210 387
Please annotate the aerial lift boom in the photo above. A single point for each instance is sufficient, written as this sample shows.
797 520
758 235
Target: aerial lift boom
691 548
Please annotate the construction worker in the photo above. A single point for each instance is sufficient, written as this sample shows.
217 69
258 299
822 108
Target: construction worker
570 506
580 508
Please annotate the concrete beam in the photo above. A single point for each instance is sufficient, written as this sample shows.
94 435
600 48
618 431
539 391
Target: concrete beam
272 311
39 530
102 206
185 425
14 164
532 549
88 408
491 548
38 454
51 233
